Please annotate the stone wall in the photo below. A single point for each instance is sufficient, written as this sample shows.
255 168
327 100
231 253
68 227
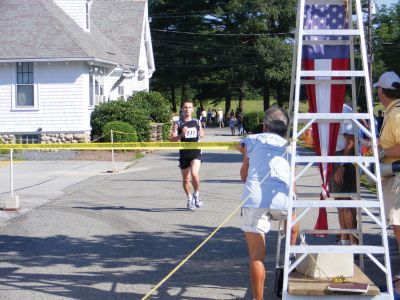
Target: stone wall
156 132
64 138
68 138
51 138
7 138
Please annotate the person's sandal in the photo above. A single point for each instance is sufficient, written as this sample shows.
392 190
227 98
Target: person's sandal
396 281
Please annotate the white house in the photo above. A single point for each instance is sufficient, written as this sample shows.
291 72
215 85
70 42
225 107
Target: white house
59 58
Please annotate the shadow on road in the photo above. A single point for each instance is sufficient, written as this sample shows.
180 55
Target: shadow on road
144 259
136 259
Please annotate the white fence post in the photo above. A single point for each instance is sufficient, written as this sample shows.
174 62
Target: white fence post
112 150
11 173
12 201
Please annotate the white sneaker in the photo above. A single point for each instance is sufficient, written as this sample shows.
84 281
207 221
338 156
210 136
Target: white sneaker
197 201
191 204
344 243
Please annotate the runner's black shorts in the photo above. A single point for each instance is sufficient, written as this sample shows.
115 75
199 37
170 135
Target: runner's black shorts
349 178
186 157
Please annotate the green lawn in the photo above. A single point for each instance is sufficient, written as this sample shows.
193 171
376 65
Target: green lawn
249 105
257 105
253 105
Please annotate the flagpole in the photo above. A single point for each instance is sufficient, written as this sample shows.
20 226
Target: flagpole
369 41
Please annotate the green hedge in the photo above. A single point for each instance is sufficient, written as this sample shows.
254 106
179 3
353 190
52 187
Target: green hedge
166 130
154 104
123 111
139 110
252 122
117 127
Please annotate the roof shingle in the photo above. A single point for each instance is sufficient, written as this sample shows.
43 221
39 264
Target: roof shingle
41 30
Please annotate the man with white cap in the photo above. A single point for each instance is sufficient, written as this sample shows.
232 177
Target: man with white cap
389 146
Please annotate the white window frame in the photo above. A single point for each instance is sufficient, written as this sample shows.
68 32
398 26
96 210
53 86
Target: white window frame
15 85
88 4
121 91
96 92
91 89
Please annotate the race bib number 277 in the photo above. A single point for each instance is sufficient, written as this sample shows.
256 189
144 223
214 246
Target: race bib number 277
191 133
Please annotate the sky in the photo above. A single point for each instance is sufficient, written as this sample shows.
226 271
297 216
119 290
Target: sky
386 2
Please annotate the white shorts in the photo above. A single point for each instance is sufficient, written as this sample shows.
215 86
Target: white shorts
391 201
258 220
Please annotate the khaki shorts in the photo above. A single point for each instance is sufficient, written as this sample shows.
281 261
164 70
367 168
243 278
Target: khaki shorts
258 220
391 201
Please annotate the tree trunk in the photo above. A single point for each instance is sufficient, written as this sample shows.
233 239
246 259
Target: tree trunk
201 104
241 99
183 93
173 98
279 96
266 97
228 105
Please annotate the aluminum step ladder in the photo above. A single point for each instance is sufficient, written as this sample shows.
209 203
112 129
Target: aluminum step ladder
301 77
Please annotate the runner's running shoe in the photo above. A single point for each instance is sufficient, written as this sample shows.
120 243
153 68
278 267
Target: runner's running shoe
197 201
191 204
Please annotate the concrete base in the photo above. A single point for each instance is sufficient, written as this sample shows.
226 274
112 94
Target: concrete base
11 203
323 265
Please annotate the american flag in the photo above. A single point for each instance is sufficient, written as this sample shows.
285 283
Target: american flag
325 97
325 17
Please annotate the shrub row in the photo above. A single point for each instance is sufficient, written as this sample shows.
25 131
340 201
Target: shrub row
133 116
253 122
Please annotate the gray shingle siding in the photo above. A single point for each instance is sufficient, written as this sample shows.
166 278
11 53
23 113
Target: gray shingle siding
39 29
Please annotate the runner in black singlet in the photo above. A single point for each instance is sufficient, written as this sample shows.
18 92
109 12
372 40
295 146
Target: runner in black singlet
189 130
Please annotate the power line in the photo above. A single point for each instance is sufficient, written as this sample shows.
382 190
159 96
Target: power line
188 13
223 34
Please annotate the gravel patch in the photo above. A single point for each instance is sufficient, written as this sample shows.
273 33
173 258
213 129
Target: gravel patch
60 155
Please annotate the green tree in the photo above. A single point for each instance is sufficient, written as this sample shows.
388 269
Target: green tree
387 39
221 49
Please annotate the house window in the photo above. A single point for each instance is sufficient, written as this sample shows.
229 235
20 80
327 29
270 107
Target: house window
121 93
96 77
27 138
25 94
87 14
91 89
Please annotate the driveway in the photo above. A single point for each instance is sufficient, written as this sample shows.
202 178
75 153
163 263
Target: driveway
84 233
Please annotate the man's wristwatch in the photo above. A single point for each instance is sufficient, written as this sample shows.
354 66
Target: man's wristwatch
381 152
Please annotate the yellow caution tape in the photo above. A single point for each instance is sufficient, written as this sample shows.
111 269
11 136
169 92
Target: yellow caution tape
125 146
339 279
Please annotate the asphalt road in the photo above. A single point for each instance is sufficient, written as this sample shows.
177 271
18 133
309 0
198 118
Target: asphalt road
83 233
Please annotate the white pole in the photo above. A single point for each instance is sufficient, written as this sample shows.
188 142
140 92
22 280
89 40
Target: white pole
11 173
112 150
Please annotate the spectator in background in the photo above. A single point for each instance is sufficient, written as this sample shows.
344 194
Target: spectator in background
239 123
198 113
220 118
203 118
379 120
343 179
213 117
209 113
232 124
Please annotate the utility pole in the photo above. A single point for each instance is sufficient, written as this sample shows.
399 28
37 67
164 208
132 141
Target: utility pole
370 55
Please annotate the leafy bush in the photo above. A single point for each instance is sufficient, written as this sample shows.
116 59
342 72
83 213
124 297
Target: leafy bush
117 127
123 111
252 122
153 104
139 110
4 151
166 129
